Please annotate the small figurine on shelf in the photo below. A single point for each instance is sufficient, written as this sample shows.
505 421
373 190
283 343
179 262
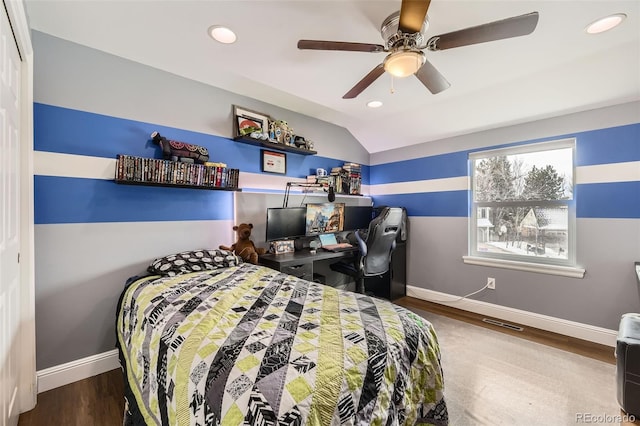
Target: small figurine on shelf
310 145
180 151
258 135
299 142
281 130
272 131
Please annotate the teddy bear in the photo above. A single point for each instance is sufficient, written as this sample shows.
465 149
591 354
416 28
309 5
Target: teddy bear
244 247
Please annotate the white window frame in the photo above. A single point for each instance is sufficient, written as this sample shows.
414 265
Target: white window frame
564 267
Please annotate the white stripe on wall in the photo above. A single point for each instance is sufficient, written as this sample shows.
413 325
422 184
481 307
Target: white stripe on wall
83 166
600 173
614 172
265 181
71 165
87 167
460 183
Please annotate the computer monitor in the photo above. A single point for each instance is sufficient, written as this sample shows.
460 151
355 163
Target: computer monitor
324 217
285 223
357 217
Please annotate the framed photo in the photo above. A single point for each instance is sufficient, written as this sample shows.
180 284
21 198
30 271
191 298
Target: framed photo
246 121
274 162
283 246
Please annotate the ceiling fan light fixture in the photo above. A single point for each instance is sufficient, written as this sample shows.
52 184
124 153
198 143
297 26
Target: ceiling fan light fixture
222 34
403 63
605 24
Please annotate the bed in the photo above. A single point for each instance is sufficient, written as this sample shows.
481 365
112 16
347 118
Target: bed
234 343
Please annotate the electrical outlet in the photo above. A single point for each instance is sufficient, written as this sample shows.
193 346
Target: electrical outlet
491 283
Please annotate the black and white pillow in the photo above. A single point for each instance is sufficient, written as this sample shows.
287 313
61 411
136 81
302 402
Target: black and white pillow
193 261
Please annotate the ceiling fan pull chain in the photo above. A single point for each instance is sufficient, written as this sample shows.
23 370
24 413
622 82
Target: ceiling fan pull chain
392 89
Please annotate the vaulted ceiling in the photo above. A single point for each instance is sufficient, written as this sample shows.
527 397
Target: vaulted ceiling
558 69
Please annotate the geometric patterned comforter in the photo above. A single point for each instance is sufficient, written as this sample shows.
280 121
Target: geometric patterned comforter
247 345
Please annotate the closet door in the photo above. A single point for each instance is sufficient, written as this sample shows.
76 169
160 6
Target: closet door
9 222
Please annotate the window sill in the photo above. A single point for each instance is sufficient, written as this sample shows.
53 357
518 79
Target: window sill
563 271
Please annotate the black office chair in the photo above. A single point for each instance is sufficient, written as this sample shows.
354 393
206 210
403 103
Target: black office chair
374 258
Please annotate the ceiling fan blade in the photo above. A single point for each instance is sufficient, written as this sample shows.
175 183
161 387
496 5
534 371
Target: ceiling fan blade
339 45
365 82
412 14
431 78
506 28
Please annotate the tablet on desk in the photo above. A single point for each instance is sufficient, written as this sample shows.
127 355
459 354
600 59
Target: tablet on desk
329 242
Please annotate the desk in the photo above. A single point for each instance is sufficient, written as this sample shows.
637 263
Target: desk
390 286
300 262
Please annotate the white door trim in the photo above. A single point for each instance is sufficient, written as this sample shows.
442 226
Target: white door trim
28 383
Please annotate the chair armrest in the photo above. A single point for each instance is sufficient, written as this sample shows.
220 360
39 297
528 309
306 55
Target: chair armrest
362 245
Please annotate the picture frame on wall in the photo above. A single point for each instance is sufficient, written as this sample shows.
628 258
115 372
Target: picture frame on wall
274 162
247 121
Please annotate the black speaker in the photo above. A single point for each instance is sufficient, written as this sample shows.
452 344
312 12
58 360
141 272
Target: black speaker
314 244
628 363
332 194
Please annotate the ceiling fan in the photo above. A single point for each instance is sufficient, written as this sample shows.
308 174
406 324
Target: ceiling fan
403 33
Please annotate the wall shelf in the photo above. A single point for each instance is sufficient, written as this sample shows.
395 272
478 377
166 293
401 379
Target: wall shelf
176 185
132 170
272 145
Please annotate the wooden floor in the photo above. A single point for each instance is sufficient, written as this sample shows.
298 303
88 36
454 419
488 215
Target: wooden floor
99 400
96 401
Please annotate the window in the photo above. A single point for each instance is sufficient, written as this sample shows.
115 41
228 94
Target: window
522 204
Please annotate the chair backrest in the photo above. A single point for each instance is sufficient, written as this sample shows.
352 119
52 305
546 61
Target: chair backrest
381 241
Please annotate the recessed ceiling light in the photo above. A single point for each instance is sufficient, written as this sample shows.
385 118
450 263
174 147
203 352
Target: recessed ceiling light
374 104
222 34
606 23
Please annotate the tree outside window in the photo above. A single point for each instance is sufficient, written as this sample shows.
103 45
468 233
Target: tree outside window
523 207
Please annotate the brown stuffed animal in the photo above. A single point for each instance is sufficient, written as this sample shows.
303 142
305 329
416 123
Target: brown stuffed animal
244 247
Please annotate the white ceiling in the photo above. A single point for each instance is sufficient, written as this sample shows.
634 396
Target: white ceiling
556 70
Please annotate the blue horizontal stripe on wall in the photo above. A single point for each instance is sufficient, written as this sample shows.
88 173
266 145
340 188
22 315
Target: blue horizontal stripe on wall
602 146
445 203
70 131
612 145
608 200
434 167
74 200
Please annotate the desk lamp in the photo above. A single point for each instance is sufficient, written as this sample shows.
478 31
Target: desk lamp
331 197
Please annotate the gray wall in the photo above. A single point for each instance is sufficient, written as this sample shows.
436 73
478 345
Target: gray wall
607 247
74 76
82 265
